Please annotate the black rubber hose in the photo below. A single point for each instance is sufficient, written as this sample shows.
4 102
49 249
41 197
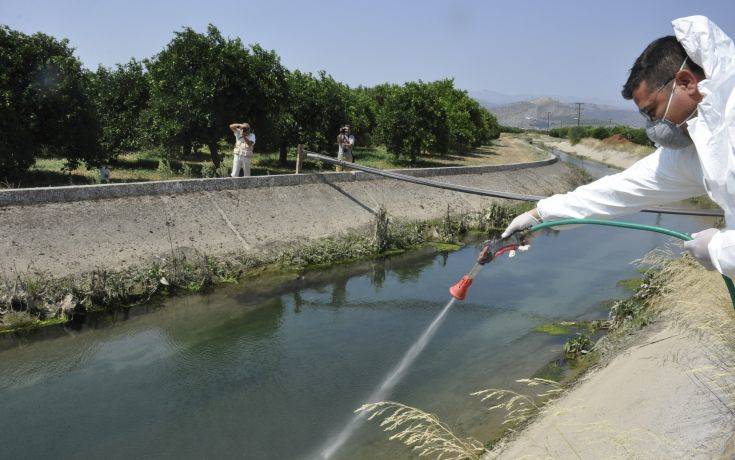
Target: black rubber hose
490 193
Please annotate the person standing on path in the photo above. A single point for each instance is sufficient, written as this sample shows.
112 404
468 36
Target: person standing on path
345 141
244 142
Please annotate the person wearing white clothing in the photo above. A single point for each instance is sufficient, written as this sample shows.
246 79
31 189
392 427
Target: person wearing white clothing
684 85
244 142
345 142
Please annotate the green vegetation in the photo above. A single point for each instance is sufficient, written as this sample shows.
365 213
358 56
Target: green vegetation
553 329
511 129
634 311
46 104
631 284
446 247
577 346
177 105
567 327
552 371
575 133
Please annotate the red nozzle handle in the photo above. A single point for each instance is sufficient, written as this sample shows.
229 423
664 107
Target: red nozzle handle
459 290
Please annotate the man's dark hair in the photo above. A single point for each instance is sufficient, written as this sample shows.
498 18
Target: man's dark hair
658 64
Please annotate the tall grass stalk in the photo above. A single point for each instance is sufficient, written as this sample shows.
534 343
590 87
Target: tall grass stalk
696 302
423 432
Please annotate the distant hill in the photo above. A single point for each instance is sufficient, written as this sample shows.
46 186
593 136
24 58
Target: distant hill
532 114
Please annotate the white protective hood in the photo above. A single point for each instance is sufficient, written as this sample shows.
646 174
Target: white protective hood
713 130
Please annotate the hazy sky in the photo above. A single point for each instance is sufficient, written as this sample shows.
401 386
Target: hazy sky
568 48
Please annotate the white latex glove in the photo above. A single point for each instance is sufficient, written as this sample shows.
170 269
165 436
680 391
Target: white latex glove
698 247
522 222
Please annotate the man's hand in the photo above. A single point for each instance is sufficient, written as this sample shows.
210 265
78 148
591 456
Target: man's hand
698 247
522 222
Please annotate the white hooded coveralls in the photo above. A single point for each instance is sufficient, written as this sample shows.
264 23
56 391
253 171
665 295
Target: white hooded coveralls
707 166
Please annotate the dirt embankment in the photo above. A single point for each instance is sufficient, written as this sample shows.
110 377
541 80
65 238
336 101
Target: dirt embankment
616 152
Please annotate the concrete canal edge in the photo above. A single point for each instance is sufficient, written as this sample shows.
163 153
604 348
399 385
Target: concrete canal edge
68 230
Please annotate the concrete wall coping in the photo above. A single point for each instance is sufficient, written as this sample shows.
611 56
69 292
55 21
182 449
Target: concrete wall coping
42 195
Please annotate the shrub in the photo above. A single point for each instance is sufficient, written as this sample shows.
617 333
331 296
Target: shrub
575 134
164 169
208 170
188 171
578 346
600 133
224 168
577 176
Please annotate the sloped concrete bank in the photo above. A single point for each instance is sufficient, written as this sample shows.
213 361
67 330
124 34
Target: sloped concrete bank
68 230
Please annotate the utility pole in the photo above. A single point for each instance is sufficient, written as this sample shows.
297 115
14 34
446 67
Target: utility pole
579 112
548 121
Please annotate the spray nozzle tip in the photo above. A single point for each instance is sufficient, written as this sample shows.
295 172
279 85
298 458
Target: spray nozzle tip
459 290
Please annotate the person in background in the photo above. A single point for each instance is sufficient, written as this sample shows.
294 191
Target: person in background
244 142
345 141
104 174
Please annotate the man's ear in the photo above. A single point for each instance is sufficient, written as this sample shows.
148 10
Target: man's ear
686 80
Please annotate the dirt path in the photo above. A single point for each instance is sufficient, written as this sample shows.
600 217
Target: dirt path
509 148
619 157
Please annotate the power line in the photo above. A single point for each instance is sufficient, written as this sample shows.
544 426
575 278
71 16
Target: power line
579 112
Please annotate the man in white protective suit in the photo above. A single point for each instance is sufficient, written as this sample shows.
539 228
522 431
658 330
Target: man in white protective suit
684 85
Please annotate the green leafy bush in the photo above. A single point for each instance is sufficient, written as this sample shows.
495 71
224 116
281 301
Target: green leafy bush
578 346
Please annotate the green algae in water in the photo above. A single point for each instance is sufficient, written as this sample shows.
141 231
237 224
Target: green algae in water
446 246
552 371
554 328
630 284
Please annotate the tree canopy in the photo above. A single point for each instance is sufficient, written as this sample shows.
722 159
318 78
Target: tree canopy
185 97
46 106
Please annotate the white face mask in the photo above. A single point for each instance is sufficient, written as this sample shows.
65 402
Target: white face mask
666 133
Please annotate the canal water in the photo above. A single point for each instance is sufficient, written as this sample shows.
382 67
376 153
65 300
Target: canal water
273 370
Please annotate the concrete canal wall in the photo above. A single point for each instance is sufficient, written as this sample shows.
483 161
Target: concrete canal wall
66 230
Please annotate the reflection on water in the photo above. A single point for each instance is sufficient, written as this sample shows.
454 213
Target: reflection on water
261 370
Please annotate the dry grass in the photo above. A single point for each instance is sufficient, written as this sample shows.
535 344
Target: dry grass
518 407
627 147
697 303
424 433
